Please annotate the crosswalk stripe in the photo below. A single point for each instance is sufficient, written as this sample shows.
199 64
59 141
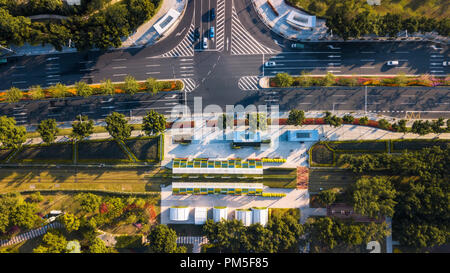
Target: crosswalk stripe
220 25
242 43
189 85
185 48
248 83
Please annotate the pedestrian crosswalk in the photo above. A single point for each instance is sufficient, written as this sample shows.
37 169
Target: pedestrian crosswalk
185 48
249 83
436 64
220 25
29 235
242 42
189 85
193 240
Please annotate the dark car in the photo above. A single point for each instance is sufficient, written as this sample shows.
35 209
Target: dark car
212 13
196 34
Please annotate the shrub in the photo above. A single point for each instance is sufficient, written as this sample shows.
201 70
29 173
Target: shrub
328 80
14 95
35 92
131 86
283 80
348 119
58 91
384 124
83 89
107 87
364 121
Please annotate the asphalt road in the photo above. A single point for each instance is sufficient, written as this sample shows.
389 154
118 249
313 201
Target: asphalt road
227 72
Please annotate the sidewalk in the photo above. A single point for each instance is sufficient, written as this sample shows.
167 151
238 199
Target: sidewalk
146 34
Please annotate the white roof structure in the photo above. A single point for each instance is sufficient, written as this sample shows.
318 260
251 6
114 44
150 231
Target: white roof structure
299 20
73 2
179 213
166 21
220 213
200 216
244 215
218 185
260 215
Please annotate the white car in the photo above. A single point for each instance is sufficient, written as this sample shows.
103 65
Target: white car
205 43
392 63
269 64
445 63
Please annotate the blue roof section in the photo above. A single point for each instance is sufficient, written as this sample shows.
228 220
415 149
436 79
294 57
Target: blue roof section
303 135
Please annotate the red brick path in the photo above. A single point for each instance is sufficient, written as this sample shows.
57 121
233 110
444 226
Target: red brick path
302 177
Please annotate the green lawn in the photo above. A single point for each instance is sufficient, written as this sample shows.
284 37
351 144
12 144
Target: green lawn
330 178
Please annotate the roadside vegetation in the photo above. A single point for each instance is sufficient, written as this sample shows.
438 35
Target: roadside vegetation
81 89
401 80
356 18
95 24
297 117
86 215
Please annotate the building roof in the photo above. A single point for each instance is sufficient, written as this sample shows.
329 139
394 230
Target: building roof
179 213
245 216
220 213
200 215
166 21
217 185
303 135
301 20
260 215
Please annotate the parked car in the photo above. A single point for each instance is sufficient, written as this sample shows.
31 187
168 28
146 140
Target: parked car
445 63
205 43
391 63
212 13
196 34
3 60
269 64
211 32
298 46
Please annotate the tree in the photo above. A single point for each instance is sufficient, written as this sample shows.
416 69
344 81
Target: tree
14 95
384 124
421 128
304 79
98 246
107 87
52 242
24 215
286 232
323 232
436 125
82 128
374 197
117 126
257 239
226 235
329 79
153 85
89 202
327 197
400 126
332 120
11 136
36 197
131 86
348 119
58 91
36 93
70 222
83 89
296 117
257 121
163 239
364 121
48 130
153 123
283 80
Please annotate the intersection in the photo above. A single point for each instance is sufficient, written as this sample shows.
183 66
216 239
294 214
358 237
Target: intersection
229 70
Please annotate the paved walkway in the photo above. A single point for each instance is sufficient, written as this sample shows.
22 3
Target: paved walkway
29 235
197 241
389 237
146 34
